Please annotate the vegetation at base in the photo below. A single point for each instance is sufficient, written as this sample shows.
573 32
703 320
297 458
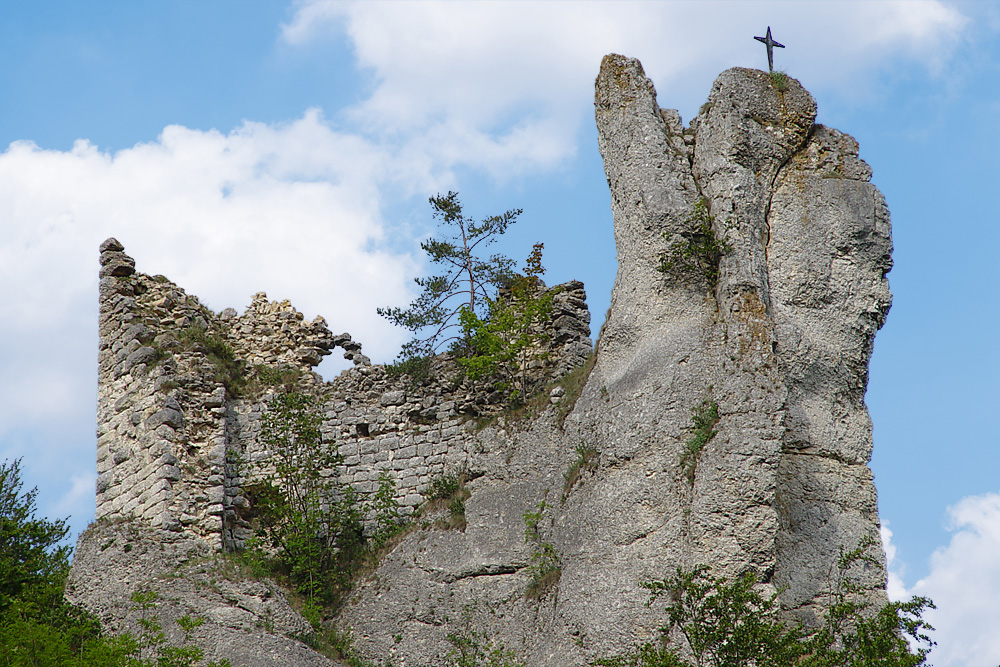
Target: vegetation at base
449 491
38 628
712 622
336 645
704 417
544 567
699 251
467 282
309 528
475 649
150 646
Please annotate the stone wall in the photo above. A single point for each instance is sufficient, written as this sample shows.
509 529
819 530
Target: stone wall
181 391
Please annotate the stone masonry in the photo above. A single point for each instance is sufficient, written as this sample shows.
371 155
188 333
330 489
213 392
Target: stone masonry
171 432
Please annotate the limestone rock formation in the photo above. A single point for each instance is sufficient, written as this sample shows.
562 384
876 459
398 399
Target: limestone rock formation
772 328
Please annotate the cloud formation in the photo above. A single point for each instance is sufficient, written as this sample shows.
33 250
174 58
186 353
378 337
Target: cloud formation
297 209
506 86
293 210
963 580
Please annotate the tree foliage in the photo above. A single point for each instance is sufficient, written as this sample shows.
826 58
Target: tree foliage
38 628
31 558
504 344
698 251
467 281
713 622
310 527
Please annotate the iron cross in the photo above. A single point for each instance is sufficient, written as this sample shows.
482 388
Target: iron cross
770 44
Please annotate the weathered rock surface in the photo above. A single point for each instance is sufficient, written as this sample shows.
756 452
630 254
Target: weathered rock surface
781 343
247 621
779 340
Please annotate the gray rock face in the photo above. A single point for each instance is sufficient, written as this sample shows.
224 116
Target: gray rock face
249 622
780 341
775 334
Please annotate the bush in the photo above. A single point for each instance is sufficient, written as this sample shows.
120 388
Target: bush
309 527
511 338
699 251
704 417
306 522
587 460
720 623
474 649
229 370
449 491
38 628
545 567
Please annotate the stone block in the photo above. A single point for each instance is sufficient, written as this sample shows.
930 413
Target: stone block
172 473
168 416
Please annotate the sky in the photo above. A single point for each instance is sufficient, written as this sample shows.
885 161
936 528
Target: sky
239 146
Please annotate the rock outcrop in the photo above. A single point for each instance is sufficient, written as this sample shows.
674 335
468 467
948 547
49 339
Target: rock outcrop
771 328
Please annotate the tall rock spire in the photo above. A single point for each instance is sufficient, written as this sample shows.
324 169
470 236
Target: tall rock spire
785 334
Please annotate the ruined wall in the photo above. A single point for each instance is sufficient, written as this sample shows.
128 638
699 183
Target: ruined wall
180 397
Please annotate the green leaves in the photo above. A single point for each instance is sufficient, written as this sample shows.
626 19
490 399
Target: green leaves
726 624
699 251
31 559
474 649
713 622
704 417
308 525
38 628
545 566
468 280
504 344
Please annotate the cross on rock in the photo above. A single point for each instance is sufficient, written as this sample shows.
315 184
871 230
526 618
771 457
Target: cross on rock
770 44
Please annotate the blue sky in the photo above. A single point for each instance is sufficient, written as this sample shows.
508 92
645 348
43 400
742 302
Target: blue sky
291 147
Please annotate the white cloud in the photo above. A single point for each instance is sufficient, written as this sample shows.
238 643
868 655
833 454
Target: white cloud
295 209
292 210
506 86
895 587
964 583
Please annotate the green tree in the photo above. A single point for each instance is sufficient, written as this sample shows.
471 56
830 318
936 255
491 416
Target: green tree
467 282
308 524
32 562
38 628
310 527
512 335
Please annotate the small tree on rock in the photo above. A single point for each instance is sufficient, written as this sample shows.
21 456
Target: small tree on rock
467 283
505 344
